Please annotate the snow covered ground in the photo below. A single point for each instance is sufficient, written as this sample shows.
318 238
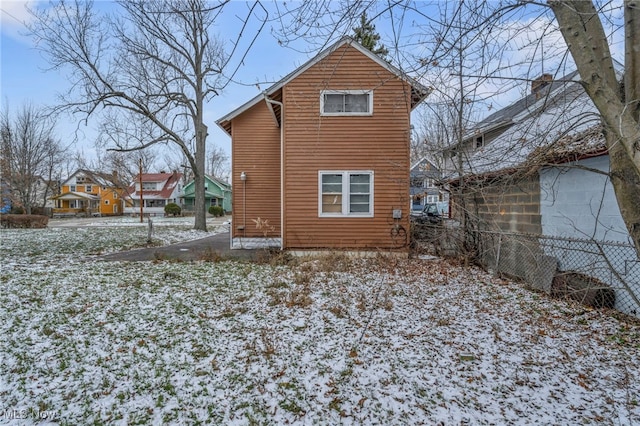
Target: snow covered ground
323 341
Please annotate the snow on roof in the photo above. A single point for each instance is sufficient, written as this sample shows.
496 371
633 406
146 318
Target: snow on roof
564 115
590 142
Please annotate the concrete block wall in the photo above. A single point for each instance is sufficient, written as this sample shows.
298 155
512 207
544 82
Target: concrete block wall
507 206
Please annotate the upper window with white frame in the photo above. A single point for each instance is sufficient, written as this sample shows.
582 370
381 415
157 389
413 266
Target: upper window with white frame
149 186
346 102
343 193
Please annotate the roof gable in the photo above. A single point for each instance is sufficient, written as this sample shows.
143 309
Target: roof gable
74 174
418 91
170 182
154 177
424 164
222 186
97 178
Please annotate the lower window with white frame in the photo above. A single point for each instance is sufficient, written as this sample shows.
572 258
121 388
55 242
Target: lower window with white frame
345 193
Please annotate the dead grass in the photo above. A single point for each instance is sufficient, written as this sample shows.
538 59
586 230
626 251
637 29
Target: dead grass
299 297
337 310
268 343
275 257
211 255
335 262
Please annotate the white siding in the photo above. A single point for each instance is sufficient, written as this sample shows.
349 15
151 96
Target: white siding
578 203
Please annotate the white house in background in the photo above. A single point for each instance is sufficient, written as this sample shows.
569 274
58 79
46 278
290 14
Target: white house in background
43 191
158 190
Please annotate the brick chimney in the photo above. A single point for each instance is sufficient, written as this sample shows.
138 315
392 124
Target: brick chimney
540 82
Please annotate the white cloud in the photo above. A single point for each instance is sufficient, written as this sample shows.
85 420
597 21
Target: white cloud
13 17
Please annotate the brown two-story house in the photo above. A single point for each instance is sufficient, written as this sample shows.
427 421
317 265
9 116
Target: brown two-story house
320 160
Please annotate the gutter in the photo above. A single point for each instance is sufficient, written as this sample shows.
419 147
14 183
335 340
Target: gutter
269 103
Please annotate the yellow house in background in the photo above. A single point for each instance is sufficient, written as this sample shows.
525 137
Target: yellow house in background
87 193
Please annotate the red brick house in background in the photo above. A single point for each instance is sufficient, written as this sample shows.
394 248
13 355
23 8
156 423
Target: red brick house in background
158 190
320 160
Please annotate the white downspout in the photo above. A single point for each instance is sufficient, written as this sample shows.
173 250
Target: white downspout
271 101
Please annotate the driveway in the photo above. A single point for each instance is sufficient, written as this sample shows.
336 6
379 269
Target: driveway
209 248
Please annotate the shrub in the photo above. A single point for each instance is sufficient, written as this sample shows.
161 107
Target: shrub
216 211
23 221
172 208
39 211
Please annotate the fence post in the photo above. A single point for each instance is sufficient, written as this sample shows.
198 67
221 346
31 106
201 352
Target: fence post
150 231
496 270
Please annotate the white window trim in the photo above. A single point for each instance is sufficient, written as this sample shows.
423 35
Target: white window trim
346 92
345 190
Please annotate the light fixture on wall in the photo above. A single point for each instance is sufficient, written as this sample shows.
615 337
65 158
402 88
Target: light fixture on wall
243 176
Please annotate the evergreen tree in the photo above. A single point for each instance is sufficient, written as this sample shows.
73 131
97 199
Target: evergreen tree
366 35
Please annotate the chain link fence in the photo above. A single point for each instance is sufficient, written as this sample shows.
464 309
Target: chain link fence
596 273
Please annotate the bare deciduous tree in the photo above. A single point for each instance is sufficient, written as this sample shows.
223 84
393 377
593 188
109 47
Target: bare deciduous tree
217 162
29 155
126 165
153 68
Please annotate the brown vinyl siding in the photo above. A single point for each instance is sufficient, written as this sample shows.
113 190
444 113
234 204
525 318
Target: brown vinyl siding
256 151
313 143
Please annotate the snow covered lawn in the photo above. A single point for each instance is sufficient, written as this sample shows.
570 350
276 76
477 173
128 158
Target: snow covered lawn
324 341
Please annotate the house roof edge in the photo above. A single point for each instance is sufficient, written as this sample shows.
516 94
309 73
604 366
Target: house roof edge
345 40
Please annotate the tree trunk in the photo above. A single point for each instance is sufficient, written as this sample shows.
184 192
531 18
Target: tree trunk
626 184
583 32
632 57
199 179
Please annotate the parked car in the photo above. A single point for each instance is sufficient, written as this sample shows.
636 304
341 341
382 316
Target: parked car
429 214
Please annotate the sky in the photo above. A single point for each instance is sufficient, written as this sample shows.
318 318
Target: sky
25 77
